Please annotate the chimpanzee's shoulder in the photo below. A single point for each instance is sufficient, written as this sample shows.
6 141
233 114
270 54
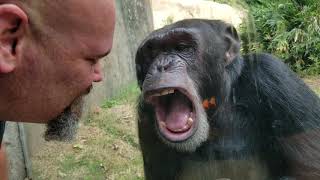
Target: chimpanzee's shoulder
263 58
264 61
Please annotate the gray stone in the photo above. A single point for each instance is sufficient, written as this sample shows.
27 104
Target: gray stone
14 152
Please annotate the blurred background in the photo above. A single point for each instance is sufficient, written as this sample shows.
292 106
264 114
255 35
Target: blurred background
107 146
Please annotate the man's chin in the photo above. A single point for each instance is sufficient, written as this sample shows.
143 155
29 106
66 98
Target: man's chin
64 127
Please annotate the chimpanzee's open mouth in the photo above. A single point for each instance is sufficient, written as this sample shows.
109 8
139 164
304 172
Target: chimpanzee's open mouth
175 112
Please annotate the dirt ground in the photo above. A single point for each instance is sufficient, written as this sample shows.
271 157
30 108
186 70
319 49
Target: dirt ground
314 83
106 148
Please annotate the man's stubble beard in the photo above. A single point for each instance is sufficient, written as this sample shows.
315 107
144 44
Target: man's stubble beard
65 126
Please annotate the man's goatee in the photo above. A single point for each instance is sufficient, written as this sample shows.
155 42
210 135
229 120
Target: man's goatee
64 127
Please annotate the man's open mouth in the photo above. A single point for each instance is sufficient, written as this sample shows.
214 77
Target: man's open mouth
175 112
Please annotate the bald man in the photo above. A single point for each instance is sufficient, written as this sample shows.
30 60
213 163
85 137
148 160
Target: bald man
49 59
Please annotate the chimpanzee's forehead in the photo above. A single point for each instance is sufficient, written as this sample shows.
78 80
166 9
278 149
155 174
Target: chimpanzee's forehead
192 32
174 33
197 24
195 28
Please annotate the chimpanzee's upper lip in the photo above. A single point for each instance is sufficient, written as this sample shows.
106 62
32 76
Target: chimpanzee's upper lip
164 91
158 92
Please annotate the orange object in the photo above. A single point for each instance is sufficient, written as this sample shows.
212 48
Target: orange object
209 104
212 102
205 104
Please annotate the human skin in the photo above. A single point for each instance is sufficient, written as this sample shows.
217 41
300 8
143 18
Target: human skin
3 165
49 54
49 58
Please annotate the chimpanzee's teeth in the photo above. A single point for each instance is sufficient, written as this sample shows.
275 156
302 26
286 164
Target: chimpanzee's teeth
186 127
163 124
156 94
164 92
168 91
190 121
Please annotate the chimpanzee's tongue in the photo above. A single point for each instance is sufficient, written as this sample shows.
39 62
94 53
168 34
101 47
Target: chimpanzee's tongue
178 113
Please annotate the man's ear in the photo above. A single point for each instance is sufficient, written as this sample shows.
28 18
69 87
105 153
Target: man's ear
13 22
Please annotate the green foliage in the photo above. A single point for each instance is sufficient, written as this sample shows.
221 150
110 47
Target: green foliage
90 165
289 29
126 95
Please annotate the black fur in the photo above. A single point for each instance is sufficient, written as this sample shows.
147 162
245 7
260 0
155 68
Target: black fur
265 125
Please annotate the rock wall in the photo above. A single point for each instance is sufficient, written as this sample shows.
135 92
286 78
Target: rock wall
168 11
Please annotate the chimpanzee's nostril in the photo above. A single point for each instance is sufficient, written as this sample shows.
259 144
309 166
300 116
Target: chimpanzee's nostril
164 66
160 68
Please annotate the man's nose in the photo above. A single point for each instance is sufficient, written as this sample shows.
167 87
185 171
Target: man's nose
97 72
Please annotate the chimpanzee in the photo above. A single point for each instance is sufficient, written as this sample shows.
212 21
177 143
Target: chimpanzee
208 113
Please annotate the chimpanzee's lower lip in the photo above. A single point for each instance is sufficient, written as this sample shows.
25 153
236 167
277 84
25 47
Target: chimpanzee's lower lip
176 136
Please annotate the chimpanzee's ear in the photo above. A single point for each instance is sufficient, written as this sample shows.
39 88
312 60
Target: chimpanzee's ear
233 44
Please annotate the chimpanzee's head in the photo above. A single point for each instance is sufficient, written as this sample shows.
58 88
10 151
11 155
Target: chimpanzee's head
178 67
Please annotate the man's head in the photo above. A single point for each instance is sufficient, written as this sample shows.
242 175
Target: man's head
49 53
